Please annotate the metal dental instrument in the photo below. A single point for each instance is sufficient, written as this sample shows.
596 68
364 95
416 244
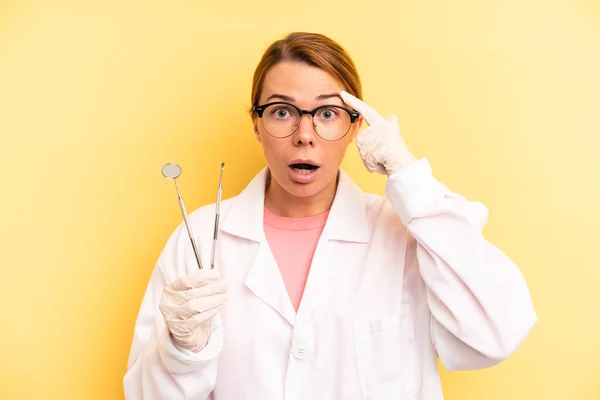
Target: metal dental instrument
219 195
172 171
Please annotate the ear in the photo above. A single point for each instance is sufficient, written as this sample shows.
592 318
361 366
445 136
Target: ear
255 123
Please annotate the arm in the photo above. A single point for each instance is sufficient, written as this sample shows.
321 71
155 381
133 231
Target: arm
158 367
480 305
479 302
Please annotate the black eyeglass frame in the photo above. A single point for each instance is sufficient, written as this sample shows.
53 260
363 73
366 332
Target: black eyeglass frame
353 116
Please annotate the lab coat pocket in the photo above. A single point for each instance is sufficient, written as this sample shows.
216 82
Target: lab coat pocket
387 357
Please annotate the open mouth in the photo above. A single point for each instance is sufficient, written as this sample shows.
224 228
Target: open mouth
304 169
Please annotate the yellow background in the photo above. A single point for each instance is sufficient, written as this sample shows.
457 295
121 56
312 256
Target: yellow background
95 96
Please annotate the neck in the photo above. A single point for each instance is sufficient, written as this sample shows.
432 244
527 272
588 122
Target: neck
282 203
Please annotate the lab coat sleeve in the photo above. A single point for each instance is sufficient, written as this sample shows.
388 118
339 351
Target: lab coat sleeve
480 306
158 368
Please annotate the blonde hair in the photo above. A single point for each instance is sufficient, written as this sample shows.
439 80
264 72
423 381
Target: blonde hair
312 49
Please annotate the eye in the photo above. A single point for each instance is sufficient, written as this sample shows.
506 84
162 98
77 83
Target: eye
281 112
328 114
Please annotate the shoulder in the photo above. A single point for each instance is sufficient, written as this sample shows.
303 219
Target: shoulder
380 212
177 256
206 213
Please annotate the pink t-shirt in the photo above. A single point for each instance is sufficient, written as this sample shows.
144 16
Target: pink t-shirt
293 242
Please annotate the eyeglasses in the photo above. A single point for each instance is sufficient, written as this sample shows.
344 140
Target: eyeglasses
281 119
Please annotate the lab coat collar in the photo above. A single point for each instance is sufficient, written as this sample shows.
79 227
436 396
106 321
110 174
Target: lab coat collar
347 220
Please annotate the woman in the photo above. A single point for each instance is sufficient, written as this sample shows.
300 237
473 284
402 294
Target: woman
321 291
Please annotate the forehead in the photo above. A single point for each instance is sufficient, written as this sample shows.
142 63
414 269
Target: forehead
300 81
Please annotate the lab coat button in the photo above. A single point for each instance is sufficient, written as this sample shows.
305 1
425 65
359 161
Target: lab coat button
300 352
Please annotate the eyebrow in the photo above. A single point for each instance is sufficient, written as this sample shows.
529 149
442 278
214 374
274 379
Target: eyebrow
292 100
280 96
328 96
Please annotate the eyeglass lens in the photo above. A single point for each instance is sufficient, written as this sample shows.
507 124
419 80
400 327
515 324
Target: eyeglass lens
330 123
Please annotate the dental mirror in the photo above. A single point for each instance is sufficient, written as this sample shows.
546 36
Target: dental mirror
172 171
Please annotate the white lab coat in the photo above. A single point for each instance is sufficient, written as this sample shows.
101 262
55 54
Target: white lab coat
395 282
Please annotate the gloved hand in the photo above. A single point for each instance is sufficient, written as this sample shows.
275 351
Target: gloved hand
188 305
381 147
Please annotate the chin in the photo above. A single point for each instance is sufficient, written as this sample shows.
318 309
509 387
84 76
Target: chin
304 190
307 189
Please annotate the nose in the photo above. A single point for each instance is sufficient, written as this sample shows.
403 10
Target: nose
305 134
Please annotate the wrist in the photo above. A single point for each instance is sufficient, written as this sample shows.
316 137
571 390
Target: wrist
402 160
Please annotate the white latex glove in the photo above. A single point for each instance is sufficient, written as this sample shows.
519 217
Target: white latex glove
188 305
381 147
